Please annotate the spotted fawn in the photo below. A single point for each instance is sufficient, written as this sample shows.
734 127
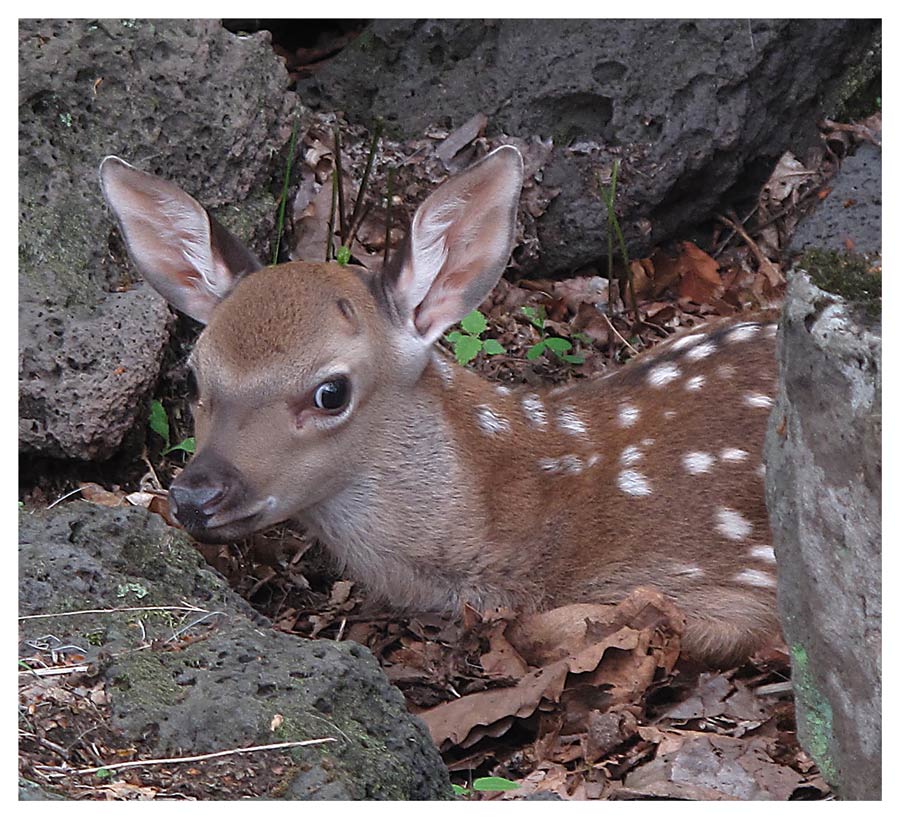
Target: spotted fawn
318 396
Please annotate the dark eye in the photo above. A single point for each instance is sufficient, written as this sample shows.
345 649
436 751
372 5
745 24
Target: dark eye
332 395
193 392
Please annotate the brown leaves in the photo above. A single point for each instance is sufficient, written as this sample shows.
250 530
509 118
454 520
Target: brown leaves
585 656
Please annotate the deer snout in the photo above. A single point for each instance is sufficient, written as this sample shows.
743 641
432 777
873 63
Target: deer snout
209 498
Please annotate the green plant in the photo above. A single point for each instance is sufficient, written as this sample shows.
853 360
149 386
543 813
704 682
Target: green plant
558 346
613 228
282 204
159 423
486 784
467 343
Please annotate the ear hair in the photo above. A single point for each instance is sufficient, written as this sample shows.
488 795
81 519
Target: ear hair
458 244
188 257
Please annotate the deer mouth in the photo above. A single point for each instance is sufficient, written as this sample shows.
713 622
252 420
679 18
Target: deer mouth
226 524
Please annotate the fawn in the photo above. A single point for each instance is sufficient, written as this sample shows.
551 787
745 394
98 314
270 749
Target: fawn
318 397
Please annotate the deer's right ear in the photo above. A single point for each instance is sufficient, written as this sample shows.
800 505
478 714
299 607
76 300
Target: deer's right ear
187 257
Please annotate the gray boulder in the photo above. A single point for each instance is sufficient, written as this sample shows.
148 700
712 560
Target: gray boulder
222 688
823 490
851 214
183 98
691 107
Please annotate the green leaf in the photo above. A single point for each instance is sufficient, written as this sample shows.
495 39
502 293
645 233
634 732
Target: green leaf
454 336
466 348
343 254
558 345
103 773
188 445
573 359
159 421
459 790
534 315
493 783
492 347
475 323
534 352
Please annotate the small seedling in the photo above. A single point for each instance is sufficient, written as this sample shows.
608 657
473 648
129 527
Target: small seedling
559 346
159 423
343 255
467 343
486 784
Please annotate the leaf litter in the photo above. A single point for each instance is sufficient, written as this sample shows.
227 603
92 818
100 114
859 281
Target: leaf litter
585 701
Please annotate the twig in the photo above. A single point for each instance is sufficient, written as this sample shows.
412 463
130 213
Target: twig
196 622
358 215
67 495
54 671
140 763
342 213
329 244
112 611
618 334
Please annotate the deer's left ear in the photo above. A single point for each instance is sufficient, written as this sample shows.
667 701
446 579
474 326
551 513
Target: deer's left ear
459 243
188 257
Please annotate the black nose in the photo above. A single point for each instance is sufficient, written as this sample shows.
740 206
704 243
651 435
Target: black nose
206 486
194 505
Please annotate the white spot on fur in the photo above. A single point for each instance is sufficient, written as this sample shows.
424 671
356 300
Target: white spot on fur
766 553
534 410
564 465
761 470
701 351
630 455
669 414
648 442
732 525
757 399
771 330
662 374
689 571
628 415
489 421
593 459
695 383
725 371
697 462
569 422
732 454
743 332
754 577
632 482
687 341
503 390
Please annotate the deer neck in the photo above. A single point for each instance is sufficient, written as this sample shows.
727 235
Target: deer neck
412 520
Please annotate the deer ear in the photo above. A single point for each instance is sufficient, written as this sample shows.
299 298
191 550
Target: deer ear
459 243
185 255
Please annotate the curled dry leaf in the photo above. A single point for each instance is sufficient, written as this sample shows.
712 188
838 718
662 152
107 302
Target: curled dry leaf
571 649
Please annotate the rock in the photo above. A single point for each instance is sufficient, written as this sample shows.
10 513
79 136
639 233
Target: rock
850 217
183 98
691 108
823 490
223 688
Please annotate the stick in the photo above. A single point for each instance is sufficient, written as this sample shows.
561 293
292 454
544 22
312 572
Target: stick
139 763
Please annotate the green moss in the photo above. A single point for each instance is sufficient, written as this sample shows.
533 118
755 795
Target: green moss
849 275
859 95
148 682
815 720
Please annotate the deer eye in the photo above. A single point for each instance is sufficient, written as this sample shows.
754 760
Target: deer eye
332 395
